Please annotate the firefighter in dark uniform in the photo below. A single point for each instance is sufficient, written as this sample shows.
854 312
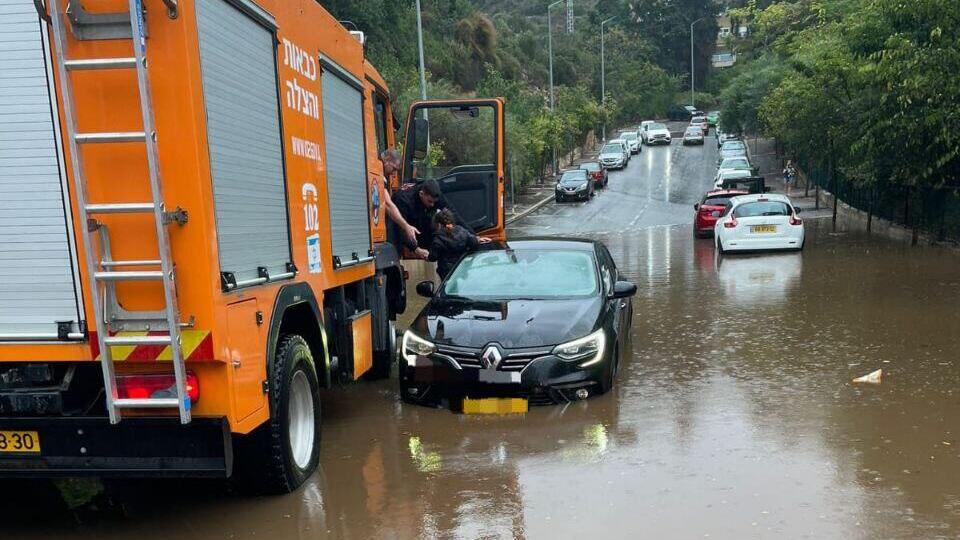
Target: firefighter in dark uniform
417 205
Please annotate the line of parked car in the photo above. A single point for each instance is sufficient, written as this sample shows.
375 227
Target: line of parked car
582 183
616 153
699 128
740 213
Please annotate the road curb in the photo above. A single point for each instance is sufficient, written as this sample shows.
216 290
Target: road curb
538 205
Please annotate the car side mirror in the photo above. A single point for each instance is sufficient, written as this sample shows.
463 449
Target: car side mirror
696 206
421 134
426 289
624 289
796 210
767 189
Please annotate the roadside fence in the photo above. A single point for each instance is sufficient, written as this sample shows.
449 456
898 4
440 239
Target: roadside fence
933 212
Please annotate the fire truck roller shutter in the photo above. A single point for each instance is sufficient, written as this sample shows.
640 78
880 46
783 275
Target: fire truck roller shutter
346 164
238 65
38 273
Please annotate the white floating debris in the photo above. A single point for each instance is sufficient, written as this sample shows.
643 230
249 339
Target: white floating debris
871 378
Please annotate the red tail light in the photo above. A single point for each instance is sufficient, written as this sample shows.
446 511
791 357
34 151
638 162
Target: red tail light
155 385
732 224
794 220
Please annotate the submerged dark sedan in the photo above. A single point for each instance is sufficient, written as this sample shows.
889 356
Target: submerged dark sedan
545 320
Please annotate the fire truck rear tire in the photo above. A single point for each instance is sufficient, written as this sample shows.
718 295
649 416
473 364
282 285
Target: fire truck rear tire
279 456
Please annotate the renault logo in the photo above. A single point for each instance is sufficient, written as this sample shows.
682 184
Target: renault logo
491 357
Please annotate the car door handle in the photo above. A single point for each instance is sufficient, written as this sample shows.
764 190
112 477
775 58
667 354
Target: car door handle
623 305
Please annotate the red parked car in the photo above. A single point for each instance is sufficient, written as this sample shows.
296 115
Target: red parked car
597 173
710 209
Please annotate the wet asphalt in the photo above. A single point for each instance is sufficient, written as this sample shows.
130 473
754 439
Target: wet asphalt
735 416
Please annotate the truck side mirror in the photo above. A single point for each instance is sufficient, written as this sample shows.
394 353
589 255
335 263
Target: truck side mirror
421 134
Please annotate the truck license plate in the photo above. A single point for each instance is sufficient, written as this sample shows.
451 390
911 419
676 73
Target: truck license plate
19 442
763 229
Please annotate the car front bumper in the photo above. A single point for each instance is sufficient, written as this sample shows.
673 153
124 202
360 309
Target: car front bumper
538 376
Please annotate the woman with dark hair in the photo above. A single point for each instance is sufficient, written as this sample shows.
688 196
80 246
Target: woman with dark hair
450 242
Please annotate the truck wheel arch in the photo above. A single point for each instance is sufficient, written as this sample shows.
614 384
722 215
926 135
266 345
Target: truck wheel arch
296 311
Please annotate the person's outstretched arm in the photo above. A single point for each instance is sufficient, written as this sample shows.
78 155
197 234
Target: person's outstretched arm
409 231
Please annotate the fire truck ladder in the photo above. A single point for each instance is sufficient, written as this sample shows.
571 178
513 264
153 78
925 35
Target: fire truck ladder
106 273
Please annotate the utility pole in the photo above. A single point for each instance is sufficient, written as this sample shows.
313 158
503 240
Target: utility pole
603 75
423 73
692 97
550 47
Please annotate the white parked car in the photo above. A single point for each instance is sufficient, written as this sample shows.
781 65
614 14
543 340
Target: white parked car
632 139
723 136
736 163
642 130
759 222
657 133
611 156
693 135
626 149
732 174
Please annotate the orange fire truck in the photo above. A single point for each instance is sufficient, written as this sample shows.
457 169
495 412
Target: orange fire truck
192 235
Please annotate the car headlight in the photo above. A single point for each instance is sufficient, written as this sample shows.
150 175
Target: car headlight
583 185
588 350
413 346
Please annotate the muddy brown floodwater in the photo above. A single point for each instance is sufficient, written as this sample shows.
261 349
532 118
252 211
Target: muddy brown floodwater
735 417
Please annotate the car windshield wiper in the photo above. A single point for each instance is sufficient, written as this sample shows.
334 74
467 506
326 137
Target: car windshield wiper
456 297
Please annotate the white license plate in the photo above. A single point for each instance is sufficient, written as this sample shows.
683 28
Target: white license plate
499 377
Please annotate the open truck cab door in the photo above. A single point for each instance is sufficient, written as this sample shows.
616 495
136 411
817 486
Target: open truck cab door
461 145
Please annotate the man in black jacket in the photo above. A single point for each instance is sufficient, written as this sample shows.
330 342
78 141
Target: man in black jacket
417 205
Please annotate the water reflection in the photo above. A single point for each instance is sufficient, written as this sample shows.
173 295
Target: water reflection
458 476
732 423
759 279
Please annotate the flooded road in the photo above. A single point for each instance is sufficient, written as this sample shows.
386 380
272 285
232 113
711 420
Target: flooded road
734 417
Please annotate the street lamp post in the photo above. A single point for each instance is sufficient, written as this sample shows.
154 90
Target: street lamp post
550 47
603 74
692 97
423 73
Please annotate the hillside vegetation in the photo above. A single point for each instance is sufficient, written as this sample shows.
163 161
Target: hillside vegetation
863 92
499 48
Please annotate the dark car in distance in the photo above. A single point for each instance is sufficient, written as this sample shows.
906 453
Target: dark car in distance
574 184
545 320
597 172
